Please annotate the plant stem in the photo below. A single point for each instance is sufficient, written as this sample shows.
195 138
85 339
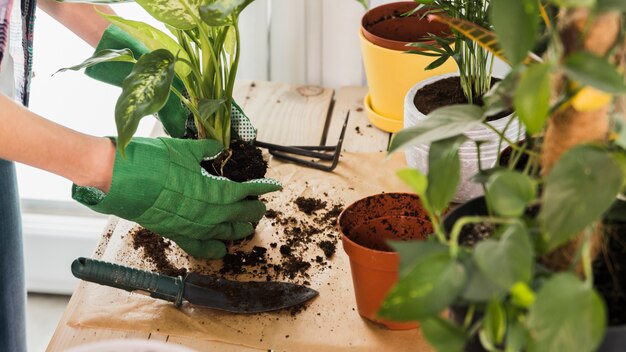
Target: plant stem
458 226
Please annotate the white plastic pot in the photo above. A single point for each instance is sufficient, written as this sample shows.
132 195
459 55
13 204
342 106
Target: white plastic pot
417 156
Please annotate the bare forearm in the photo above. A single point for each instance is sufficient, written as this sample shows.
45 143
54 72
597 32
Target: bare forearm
82 19
30 139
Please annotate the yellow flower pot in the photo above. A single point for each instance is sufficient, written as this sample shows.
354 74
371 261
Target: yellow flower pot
390 71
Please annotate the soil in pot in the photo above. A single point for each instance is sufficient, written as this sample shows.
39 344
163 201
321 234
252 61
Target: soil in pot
446 92
389 22
375 233
245 162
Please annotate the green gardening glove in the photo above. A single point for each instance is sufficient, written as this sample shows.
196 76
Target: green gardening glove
173 115
162 186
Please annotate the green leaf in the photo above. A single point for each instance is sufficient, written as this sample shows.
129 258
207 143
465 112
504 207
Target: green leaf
508 260
442 123
181 14
415 179
364 3
218 12
574 3
438 62
494 324
580 188
412 252
516 24
230 42
107 55
153 39
516 336
208 108
483 176
509 192
144 92
532 97
444 172
568 315
594 71
610 5
443 335
479 288
426 289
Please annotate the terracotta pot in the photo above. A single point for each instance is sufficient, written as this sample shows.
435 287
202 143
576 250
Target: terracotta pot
417 156
365 227
390 71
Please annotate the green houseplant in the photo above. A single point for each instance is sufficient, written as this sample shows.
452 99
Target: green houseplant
469 86
195 66
522 273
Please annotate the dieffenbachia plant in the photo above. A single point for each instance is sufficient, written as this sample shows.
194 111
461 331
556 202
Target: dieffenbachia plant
202 51
530 286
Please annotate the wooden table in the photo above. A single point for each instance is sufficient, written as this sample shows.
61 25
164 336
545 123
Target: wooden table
284 114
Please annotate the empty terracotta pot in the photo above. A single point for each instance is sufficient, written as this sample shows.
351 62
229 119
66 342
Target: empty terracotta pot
366 226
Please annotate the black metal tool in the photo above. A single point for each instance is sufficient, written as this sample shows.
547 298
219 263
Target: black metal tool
202 290
318 152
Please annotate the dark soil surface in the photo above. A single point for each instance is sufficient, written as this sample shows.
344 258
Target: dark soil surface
394 25
446 92
155 250
472 234
609 274
246 163
375 233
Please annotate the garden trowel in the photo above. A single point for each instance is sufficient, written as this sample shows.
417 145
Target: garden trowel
200 290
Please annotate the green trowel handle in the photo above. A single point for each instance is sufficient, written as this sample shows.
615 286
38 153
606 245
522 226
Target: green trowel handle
130 279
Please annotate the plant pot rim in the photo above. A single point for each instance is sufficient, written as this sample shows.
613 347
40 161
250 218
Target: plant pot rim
410 95
350 246
386 43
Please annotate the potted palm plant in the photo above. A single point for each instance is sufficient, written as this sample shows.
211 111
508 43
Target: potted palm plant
386 32
195 66
535 265
469 86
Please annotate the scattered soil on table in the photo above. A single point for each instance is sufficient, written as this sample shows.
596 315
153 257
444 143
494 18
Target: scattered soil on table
155 250
302 234
309 205
609 273
308 240
246 163
446 92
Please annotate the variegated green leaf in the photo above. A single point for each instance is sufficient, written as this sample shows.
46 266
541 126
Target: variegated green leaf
108 55
218 12
144 92
230 43
153 39
181 14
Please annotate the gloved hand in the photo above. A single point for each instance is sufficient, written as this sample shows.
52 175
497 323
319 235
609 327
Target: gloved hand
173 115
162 186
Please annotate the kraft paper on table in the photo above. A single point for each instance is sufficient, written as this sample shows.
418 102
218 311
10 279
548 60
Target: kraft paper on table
330 322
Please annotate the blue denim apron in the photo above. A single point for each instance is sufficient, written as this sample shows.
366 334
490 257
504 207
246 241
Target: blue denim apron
12 291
